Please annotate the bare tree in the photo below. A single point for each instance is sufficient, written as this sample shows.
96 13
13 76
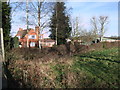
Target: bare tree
95 28
86 36
103 21
76 27
79 33
99 25
42 10
27 21
98 29
39 12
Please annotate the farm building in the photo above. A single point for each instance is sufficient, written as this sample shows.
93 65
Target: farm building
108 39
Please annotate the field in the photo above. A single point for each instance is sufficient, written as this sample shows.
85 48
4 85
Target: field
100 68
94 69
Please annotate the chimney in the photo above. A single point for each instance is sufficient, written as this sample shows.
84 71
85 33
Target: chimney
37 29
20 29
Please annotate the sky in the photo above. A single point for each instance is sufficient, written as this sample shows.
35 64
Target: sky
85 11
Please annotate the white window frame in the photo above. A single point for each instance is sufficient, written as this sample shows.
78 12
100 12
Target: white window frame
30 37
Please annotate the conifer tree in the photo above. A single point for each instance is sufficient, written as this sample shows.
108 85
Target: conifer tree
60 25
6 23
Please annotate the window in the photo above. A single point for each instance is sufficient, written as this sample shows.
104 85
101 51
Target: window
32 36
32 44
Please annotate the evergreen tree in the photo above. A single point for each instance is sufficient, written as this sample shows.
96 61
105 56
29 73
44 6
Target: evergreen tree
60 20
6 24
0 14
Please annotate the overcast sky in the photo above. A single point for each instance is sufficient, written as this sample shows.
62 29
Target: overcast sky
83 10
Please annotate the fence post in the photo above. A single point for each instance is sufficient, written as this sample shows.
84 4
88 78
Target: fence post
2 45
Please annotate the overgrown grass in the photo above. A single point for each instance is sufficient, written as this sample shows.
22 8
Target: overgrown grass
95 69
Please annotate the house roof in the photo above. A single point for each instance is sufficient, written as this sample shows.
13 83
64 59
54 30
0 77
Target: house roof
29 29
22 33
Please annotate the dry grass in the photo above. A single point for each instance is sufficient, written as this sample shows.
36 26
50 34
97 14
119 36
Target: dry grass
49 70
38 73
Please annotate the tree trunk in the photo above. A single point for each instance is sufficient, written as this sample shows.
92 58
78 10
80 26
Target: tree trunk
27 22
39 38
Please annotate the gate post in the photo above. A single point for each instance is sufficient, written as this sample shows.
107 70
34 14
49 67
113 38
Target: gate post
2 45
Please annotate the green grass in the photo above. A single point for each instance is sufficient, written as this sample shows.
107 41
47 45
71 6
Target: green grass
99 67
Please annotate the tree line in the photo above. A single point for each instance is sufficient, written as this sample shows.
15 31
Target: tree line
59 21
98 29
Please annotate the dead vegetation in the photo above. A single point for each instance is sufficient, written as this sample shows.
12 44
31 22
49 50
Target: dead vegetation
52 67
40 74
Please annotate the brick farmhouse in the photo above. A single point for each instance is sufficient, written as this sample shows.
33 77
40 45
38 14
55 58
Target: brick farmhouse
32 37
